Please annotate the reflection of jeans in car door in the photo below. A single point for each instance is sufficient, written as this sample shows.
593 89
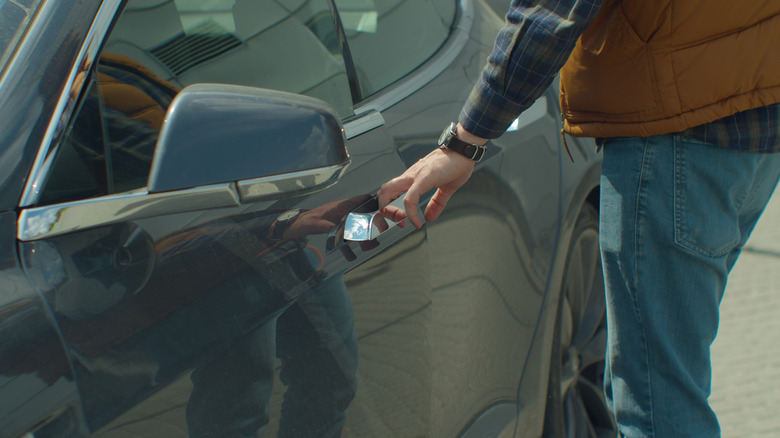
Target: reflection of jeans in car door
316 342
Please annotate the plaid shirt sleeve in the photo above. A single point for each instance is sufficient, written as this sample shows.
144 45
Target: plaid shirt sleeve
535 43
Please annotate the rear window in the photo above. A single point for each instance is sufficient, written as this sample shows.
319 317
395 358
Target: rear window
15 18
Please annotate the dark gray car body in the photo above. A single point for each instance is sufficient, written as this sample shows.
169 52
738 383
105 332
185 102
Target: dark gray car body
127 307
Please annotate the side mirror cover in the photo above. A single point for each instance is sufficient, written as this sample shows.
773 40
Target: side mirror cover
216 133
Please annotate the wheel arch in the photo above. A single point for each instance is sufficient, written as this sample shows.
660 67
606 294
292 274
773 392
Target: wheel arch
579 186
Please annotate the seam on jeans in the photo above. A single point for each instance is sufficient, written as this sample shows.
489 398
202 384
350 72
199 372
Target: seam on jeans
755 188
679 194
646 157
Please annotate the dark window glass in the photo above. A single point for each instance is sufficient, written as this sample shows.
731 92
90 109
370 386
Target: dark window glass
134 104
288 45
109 145
390 38
79 167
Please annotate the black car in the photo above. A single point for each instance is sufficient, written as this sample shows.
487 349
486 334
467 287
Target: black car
183 188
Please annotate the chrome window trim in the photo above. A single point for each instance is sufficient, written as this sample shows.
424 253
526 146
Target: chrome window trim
363 123
53 220
290 184
65 105
429 70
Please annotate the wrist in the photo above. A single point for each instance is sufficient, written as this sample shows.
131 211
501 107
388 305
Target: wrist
450 139
469 137
456 156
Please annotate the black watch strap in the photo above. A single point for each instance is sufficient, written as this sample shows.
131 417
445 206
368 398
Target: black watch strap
450 141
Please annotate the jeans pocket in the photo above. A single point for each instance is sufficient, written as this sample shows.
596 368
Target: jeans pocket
708 191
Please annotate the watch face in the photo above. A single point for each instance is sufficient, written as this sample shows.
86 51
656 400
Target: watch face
446 135
287 215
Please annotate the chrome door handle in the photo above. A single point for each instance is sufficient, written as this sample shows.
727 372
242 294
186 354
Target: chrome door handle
366 221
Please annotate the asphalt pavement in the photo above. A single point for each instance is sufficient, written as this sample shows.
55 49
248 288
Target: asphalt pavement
746 353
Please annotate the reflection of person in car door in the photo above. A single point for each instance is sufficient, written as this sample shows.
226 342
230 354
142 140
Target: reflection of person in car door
316 343
314 338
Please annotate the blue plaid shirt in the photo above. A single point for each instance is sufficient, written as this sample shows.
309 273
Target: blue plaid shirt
533 46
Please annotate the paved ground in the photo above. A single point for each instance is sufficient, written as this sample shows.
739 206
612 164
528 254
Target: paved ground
746 353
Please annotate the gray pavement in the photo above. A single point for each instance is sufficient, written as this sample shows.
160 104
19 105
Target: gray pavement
746 353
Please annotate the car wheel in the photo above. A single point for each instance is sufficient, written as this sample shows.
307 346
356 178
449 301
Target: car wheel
576 406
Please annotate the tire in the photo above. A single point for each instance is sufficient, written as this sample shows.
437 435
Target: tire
576 406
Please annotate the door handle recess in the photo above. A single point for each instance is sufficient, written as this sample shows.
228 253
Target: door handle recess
366 221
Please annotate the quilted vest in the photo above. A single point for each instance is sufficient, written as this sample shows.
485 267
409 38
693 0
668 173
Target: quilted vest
648 67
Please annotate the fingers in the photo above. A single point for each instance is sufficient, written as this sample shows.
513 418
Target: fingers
393 189
409 211
436 204
411 202
442 169
394 214
390 191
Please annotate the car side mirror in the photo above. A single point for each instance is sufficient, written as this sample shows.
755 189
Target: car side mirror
220 146
216 133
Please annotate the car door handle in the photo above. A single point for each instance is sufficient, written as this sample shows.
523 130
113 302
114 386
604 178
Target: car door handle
366 221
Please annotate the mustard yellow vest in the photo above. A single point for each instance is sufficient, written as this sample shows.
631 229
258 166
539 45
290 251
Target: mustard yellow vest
647 67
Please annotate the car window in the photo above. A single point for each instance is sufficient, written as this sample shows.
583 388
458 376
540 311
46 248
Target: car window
15 17
79 168
288 45
156 48
390 38
109 145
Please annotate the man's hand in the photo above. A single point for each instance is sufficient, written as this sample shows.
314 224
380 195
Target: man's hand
442 169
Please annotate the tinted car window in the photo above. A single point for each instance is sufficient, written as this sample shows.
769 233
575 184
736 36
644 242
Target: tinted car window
79 169
15 17
158 47
288 45
109 145
390 38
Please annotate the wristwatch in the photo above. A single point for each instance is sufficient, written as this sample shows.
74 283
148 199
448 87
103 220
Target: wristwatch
449 139
282 222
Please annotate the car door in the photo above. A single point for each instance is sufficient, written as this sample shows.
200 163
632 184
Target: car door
259 316
172 319
457 366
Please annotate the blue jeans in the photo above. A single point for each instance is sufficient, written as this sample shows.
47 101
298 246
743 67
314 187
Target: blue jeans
675 214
